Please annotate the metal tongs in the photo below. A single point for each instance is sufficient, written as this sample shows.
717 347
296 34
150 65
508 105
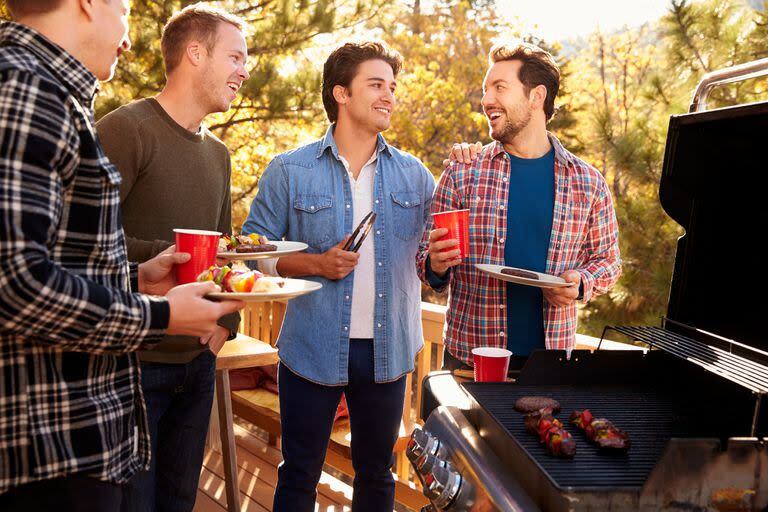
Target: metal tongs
359 234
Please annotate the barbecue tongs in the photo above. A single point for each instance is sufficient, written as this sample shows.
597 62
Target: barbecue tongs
359 234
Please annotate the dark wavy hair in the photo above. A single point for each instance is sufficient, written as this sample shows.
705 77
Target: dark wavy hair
341 67
538 68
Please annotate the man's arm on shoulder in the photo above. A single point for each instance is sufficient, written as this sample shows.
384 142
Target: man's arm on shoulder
40 300
119 136
603 266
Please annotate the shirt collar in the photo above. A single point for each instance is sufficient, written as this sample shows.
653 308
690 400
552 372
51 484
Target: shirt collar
561 155
72 73
330 142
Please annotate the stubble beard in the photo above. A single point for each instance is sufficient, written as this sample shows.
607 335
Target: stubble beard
512 127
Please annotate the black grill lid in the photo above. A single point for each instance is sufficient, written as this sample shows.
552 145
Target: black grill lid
715 185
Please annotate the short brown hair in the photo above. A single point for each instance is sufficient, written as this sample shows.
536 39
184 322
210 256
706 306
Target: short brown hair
341 67
198 22
538 68
21 7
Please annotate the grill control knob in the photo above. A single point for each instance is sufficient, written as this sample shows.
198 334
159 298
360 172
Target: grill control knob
427 463
442 486
421 443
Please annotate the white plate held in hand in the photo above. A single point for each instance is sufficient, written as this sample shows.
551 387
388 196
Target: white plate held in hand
543 281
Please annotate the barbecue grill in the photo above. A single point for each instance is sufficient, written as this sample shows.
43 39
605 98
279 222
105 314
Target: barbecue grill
692 403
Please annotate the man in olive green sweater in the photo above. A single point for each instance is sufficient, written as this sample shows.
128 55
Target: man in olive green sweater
176 174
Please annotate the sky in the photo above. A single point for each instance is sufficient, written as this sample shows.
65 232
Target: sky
557 20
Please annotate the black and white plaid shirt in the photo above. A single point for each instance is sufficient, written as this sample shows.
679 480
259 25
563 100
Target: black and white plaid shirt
70 397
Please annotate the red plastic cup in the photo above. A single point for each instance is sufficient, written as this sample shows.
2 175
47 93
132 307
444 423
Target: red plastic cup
491 364
457 222
202 246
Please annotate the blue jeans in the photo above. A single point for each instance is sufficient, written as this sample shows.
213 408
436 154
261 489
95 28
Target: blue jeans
306 412
178 398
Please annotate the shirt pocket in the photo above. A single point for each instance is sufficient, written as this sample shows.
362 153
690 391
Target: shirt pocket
406 215
314 218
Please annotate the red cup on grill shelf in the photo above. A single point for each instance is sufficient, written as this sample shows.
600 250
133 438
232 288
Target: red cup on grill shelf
457 223
202 246
491 364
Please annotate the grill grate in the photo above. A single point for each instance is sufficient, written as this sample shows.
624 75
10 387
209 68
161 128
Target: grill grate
740 370
649 418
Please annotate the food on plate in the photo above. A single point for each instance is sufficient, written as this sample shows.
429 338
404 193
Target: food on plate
519 273
557 441
245 243
241 281
527 404
601 431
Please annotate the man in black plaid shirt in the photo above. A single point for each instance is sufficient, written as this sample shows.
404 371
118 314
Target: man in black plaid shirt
72 420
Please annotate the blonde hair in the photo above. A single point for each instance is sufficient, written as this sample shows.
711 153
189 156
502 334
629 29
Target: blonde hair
21 7
199 22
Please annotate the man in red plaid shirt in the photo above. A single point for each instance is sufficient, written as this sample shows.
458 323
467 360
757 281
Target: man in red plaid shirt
533 205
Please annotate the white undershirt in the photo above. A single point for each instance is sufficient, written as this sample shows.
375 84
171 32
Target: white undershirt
364 277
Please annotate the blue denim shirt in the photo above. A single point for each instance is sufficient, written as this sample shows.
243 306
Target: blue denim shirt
305 195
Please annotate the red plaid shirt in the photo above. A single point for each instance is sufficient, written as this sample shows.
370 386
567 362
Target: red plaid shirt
584 237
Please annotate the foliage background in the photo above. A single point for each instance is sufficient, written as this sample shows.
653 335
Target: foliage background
619 90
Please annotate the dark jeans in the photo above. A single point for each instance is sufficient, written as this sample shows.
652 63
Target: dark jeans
74 493
179 398
307 410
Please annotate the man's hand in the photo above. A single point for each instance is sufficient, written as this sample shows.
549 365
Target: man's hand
194 315
156 276
441 260
564 296
336 263
215 339
464 153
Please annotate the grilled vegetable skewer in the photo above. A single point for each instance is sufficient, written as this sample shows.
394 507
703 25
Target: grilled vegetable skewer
555 438
601 431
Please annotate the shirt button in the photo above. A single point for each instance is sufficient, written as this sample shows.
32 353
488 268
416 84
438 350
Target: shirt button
379 263
311 207
504 180
347 297
377 201
501 206
381 295
349 206
379 325
346 328
501 240
378 232
407 203
501 334
501 306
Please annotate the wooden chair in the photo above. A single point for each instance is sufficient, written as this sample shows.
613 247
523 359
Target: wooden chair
241 352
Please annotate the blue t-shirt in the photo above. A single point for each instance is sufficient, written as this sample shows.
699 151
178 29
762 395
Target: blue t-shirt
529 226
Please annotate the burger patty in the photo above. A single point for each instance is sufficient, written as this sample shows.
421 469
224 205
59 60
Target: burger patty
256 248
519 273
528 404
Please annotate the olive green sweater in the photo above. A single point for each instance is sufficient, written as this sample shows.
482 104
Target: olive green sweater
172 178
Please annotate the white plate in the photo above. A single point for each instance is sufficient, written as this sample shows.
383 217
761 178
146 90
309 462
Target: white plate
544 280
283 249
293 288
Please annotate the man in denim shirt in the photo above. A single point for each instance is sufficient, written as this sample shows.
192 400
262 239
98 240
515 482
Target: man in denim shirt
359 334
